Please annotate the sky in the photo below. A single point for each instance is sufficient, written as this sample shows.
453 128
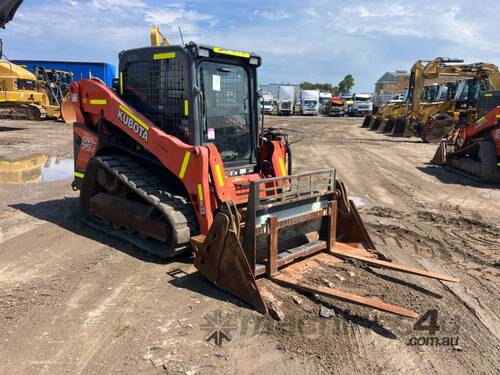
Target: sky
315 41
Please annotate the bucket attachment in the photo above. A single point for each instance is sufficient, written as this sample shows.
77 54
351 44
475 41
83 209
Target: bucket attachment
68 113
389 125
402 128
440 155
367 121
375 124
436 128
292 225
383 124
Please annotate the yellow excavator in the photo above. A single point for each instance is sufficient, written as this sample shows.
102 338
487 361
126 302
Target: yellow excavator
386 116
432 121
29 95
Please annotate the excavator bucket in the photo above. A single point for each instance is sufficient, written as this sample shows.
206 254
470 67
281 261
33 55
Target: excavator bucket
440 155
436 128
375 124
402 128
367 121
290 226
68 113
383 125
389 125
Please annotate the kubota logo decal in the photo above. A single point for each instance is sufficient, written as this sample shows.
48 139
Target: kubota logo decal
133 123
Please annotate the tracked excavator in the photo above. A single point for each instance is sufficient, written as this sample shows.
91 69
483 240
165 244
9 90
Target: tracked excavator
474 148
174 158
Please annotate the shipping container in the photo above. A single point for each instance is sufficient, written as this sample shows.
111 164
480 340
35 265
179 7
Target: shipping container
80 69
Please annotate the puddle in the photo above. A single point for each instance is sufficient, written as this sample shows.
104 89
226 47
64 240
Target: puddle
35 168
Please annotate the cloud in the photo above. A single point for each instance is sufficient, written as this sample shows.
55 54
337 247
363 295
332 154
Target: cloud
318 40
117 4
423 19
172 17
272 15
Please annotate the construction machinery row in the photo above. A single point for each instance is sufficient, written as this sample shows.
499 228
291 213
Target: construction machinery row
431 111
460 113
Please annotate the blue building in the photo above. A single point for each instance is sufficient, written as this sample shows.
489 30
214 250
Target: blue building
80 69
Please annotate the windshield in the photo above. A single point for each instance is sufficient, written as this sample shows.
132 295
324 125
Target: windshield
442 93
227 116
268 102
310 102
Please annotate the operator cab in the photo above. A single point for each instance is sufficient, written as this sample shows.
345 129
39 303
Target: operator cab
487 101
199 94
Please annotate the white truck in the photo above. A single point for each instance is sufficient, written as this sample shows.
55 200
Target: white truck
309 102
267 103
286 100
324 99
362 105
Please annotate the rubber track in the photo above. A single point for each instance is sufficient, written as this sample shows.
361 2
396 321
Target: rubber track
177 209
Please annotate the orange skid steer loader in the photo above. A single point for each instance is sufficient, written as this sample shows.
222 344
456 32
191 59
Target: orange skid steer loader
174 158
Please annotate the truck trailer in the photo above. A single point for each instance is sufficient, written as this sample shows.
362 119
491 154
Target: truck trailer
286 100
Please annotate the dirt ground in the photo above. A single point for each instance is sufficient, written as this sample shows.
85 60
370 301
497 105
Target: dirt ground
75 301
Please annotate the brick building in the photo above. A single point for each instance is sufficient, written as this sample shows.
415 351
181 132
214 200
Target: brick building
390 84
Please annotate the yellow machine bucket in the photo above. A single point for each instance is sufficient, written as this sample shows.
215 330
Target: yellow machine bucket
68 113
290 225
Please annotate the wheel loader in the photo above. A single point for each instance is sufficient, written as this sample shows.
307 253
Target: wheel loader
474 148
174 159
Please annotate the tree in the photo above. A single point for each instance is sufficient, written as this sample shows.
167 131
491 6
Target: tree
346 84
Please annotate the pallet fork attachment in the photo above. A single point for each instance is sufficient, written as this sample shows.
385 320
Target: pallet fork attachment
293 224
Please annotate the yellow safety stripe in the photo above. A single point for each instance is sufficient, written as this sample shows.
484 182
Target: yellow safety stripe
186 108
121 83
218 172
282 166
98 101
231 53
79 174
184 165
133 117
200 193
163 56
488 94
